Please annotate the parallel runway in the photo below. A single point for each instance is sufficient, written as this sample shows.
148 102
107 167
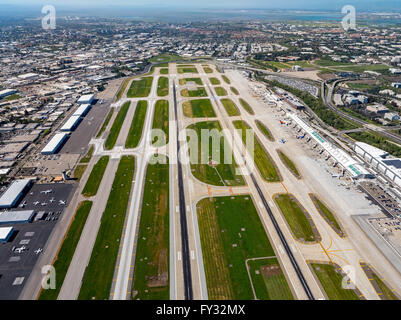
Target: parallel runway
188 290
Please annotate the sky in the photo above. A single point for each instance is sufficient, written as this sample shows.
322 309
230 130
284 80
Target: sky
365 5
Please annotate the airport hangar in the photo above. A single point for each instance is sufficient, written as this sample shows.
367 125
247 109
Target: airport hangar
14 193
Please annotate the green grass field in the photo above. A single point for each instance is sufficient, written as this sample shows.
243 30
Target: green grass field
326 213
123 87
331 281
289 164
214 81
70 242
162 87
140 88
105 123
95 178
96 283
231 108
164 71
387 293
295 216
200 92
220 91
268 280
234 90
187 69
214 174
88 156
184 81
267 133
246 106
135 131
263 161
79 171
165 57
231 232
226 80
200 108
116 127
161 121
207 69
151 278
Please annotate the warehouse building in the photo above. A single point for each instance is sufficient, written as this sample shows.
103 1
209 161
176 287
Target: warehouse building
5 234
351 165
14 192
71 123
7 92
86 99
82 110
13 217
55 143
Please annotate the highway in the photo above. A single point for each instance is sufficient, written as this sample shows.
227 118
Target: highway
186 263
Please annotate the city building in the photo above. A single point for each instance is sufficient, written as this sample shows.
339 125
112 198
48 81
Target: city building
55 143
14 193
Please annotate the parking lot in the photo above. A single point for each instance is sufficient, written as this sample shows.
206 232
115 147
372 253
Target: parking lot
19 255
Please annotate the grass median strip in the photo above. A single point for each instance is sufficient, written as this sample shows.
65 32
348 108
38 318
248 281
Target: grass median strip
331 280
200 108
289 164
105 123
246 106
220 91
135 131
207 69
226 80
234 90
151 278
96 283
88 156
297 218
116 127
95 178
231 107
161 121
326 213
67 249
231 233
265 131
199 92
214 81
262 159
140 88
162 87
204 168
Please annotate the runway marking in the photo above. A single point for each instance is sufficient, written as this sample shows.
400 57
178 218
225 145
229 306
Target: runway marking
192 255
179 255
177 208
231 191
284 187
209 191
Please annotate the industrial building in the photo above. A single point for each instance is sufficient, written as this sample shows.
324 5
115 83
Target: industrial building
5 234
55 143
352 166
13 217
71 123
86 99
82 110
7 92
381 160
13 193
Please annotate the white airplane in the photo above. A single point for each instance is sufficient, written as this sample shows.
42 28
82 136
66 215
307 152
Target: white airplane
23 204
36 203
38 251
52 200
20 249
61 202
46 191
43 204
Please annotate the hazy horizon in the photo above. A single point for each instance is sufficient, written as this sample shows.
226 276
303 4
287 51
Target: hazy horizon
362 5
